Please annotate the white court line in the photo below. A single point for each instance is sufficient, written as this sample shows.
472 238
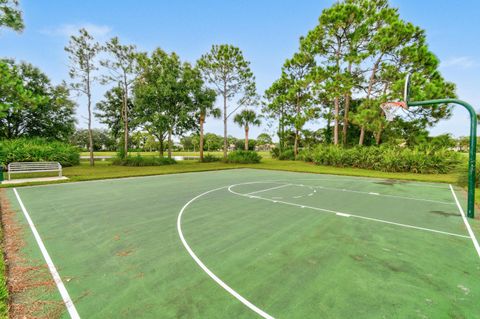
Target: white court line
56 276
469 229
268 189
350 215
383 195
208 271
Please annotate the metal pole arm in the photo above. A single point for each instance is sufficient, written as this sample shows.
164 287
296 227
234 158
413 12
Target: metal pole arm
473 145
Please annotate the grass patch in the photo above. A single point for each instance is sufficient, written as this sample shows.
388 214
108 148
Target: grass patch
105 170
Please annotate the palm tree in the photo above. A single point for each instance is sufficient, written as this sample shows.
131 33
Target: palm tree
204 100
245 119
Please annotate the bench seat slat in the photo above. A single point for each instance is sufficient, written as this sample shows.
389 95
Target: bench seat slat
33 167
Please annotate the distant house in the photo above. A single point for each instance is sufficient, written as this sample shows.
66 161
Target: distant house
264 147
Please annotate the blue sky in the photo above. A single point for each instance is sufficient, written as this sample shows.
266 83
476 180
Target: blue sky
267 31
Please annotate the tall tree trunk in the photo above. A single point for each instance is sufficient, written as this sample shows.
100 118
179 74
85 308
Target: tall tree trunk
90 133
202 120
246 137
225 118
281 131
362 136
160 144
169 143
337 99
336 118
328 133
378 135
295 147
369 93
347 109
125 115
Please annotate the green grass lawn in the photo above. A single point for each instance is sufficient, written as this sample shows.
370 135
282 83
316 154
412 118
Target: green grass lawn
105 169
275 237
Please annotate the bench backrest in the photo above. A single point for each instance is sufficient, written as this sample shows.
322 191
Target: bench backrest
33 166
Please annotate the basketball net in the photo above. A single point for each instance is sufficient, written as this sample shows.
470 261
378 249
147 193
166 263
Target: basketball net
390 109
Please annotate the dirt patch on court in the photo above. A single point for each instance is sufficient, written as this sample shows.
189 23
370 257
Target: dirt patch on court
443 213
28 281
390 182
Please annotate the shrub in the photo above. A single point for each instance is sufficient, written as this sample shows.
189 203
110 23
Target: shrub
305 155
143 161
243 157
275 152
387 158
286 154
210 158
463 174
37 150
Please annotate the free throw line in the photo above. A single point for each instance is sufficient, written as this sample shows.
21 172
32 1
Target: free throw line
53 270
268 189
349 214
469 229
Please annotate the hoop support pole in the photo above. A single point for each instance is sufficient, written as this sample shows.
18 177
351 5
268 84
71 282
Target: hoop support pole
473 145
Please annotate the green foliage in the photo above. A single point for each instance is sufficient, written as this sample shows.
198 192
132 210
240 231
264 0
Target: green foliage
165 95
246 118
243 157
213 142
142 161
102 140
240 144
110 112
463 174
11 15
275 152
287 155
264 139
37 150
229 73
31 106
210 158
387 159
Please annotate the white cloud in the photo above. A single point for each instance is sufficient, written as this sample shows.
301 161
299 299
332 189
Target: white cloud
66 30
464 62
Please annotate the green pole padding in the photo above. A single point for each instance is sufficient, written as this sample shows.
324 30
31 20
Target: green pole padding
473 146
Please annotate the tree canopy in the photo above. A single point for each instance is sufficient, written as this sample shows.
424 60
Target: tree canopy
31 106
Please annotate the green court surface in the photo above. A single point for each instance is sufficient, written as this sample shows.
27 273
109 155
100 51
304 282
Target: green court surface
251 243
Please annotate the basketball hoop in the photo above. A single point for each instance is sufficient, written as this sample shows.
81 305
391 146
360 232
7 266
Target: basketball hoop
390 109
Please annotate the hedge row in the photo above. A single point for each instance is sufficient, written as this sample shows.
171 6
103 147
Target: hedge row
385 158
143 161
36 150
243 157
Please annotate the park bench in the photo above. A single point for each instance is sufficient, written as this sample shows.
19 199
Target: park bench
34 167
